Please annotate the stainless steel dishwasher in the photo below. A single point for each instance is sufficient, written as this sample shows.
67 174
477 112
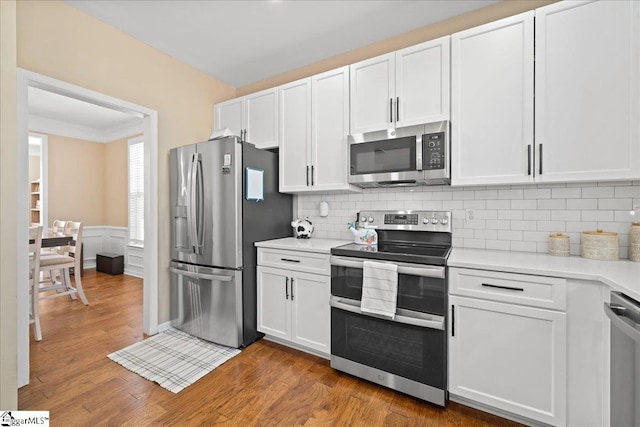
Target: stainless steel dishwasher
624 313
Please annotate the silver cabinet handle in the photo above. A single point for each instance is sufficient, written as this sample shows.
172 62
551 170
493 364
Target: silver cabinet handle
397 109
529 159
625 325
390 110
201 275
405 317
307 175
286 288
312 168
289 260
292 289
540 160
403 268
508 288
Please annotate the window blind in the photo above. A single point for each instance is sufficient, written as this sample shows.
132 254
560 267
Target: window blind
136 191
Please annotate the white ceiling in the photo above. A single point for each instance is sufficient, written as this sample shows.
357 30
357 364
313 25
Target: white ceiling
241 42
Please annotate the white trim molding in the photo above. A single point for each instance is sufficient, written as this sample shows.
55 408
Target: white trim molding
26 79
72 130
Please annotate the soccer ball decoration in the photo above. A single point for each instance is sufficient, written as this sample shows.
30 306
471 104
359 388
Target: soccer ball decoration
302 228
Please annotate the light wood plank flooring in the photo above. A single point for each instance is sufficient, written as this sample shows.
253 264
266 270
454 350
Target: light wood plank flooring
266 385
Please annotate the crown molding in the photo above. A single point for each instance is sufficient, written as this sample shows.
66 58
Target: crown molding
71 130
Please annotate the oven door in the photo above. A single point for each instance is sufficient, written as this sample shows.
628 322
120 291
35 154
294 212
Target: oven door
420 287
407 354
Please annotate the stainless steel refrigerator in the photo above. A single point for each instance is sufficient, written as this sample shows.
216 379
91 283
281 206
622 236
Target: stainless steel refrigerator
213 230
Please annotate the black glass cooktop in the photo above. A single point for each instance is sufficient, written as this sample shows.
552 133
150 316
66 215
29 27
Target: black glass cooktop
420 254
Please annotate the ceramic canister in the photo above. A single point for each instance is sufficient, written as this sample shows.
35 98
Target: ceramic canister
634 242
600 245
559 244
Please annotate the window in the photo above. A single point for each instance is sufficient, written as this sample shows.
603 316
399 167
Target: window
136 191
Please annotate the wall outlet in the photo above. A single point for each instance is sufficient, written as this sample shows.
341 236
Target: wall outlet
469 215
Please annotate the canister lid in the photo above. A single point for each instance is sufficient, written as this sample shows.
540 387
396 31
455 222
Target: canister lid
558 236
601 233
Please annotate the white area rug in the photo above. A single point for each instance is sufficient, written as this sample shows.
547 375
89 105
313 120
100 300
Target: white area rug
173 359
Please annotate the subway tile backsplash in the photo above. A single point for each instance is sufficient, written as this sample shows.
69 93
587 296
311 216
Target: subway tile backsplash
510 218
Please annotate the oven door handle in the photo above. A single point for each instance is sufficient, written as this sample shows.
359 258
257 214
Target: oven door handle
424 320
412 270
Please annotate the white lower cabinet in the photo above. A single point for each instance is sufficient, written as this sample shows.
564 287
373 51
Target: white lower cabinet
293 306
505 355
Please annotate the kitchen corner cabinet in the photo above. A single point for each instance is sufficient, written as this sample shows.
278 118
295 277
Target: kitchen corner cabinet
402 88
252 117
492 102
314 124
507 343
293 304
588 91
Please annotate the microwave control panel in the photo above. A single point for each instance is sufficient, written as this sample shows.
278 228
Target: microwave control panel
433 151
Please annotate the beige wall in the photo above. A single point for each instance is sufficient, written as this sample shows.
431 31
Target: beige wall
115 180
8 213
59 41
76 180
34 168
430 32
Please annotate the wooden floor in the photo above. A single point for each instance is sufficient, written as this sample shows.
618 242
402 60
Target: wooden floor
266 385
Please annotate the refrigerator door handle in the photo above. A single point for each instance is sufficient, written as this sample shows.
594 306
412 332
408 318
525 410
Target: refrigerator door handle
201 275
199 205
194 203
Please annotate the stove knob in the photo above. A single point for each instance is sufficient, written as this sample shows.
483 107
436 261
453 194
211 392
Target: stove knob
425 220
371 219
434 220
363 218
444 220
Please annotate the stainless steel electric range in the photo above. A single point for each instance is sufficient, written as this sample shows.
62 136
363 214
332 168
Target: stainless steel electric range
408 353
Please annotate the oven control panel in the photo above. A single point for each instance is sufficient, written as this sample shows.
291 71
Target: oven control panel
406 220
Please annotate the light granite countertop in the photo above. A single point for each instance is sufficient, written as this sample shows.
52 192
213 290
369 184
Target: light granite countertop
316 245
623 275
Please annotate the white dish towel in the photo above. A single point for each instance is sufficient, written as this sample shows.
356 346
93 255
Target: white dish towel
379 288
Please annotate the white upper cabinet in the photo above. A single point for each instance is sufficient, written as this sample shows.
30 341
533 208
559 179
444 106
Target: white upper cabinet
492 102
314 125
230 114
252 117
587 91
295 136
403 88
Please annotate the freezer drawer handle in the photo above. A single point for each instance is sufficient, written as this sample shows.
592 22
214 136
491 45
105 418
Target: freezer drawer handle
426 321
201 275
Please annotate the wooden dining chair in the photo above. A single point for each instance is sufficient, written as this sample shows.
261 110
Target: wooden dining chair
58 226
64 262
35 236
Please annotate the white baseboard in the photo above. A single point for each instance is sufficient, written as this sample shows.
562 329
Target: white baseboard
104 238
164 326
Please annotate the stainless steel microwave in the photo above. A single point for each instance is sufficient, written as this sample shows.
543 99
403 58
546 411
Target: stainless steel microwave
412 155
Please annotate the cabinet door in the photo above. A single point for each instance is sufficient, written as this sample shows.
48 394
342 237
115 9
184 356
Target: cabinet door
261 109
311 314
229 114
330 127
372 94
492 102
509 357
274 293
587 90
295 136
422 83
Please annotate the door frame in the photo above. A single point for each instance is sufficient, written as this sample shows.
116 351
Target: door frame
150 282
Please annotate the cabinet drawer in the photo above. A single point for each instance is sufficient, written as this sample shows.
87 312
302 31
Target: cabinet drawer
308 262
535 291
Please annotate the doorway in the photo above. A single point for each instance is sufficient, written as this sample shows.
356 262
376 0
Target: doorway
27 79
